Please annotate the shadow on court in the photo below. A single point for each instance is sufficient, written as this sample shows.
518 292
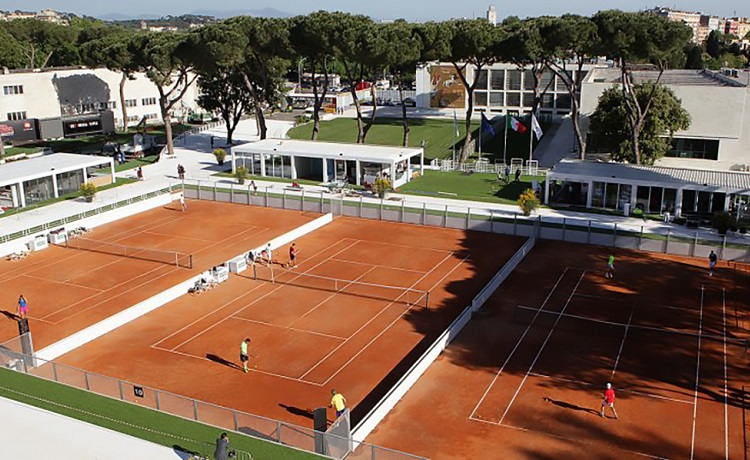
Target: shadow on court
219 360
566 405
9 315
307 413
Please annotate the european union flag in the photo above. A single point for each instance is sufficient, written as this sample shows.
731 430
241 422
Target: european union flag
486 126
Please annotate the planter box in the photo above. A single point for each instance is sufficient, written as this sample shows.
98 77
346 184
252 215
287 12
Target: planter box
57 238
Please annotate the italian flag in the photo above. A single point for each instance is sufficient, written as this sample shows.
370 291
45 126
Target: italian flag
516 125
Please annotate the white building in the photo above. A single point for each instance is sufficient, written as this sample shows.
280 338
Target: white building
719 107
492 15
358 164
71 92
502 89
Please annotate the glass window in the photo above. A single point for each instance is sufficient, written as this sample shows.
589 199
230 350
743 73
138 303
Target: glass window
528 80
482 79
480 98
547 81
528 99
610 196
597 195
563 101
704 202
688 200
547 101
513 99
655 202
626 192
717 201
514 80
642 197
497 99
69 182
670 197
703 149
497 79
37 190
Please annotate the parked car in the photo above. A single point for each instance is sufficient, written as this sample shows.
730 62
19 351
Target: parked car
200 118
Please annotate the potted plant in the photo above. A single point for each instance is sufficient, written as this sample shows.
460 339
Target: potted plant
88 190
722 221
240 174
381 186
528 202
220 155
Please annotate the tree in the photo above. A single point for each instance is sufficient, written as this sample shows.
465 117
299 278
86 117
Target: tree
11 53
166 59
638 38
472 43
40 41
312 38
610 122
264 61
715 44
693 56
522 45
403 54
114 50
570 40
224 91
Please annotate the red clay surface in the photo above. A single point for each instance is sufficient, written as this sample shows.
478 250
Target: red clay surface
505 389
68 290
307 339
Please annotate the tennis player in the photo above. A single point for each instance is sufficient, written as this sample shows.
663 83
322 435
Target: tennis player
269 254
23 310
712 258
609 400
244 356
183 205
293 251
338 402
610 267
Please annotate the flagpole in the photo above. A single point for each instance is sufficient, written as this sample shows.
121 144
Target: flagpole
481 122
505 142
531 136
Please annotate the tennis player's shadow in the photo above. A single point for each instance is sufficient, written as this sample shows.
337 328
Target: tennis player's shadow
566 405
10 315
222 361
297 411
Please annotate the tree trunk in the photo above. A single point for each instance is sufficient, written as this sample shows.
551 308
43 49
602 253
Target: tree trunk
168 130
404 119
573 87
230 128
575 118
260 118
122 102
317 102
467 150
369 124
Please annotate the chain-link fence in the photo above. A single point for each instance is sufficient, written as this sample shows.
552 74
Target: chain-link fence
225 418
667 239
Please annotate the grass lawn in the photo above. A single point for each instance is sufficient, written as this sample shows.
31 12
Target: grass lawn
131 164
476 187
71 196
439 134
269 179
140 422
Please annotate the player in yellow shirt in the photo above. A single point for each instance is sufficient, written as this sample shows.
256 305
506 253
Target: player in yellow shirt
244 355
338 402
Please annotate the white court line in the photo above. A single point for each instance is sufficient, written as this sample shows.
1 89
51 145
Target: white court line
332 295
601 297
518 343
399 316
278 326
388 305
697 378
418 248
212 312
726 408
541 349
621 390
281 376
98 291
265 295
622 344
381 266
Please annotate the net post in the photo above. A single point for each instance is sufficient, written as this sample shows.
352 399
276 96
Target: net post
177 259
427 300
190 260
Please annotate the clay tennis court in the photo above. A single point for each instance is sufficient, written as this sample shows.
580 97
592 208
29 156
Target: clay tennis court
525 378
70 289
307 337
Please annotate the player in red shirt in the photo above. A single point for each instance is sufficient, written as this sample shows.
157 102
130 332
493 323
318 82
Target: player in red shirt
293 251
609 400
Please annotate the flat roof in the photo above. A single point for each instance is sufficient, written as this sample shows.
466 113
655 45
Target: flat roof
14 172
331 150
677 77
731 181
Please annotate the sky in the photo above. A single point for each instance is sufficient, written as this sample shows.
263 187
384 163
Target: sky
415 10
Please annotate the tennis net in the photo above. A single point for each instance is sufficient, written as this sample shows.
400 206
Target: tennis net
585 325
395 294
178 259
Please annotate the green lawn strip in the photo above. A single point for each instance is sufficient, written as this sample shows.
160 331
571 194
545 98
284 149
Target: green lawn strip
71 196
462 186
131 419
131 164
10 151
438 134
269 179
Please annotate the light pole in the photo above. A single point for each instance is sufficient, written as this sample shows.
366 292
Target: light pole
299 73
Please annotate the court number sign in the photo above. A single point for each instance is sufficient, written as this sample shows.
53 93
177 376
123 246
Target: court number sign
138 391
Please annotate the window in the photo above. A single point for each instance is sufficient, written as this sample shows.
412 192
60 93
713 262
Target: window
88 107
702 149
16 116
480 98
148 101
107 105
497 99
37 190
132 118
548 101
482 80
563 101
528 80
131 102
513 99
514 80
151 116
69 182
497 79
12 89
528 99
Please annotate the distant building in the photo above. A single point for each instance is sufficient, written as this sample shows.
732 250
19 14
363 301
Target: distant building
707 25
46 15
691 19
737 26
492 15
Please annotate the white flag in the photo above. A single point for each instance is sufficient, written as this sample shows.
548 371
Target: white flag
535 126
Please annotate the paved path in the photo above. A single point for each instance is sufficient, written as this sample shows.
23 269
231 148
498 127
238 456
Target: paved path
31 433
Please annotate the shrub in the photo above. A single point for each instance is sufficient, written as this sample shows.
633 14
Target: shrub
381 186
88 189
722 221
241 174
528 202
220 155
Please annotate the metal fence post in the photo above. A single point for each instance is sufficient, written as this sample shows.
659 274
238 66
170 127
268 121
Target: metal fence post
424 213
403 211
302 205
614 235
445 216
563 235
380 213
666 243
231 193
236 423
119 384
361 203
54 371
640 239
86 378
492 222
723 246
214 191
588 234
283 198
695 244
156 399
321 201
266 199
195 409
468 217
515 224
278 431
